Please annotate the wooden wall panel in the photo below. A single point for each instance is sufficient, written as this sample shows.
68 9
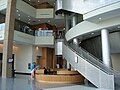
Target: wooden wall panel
48 57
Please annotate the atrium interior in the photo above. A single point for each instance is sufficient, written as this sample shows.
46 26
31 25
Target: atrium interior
59 44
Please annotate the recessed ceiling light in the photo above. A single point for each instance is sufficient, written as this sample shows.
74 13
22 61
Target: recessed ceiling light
28 22
118 26
28 16
17 10
48 20
100 18
29 19
63 14
38 1
18 14
92 33
29 0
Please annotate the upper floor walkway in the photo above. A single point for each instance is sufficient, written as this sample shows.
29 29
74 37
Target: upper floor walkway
41 37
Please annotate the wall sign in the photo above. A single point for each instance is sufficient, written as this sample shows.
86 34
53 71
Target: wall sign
76 58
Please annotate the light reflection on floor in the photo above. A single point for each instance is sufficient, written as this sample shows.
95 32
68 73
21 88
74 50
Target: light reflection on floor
24 82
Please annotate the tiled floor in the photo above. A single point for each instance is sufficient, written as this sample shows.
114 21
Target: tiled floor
26 83
76 87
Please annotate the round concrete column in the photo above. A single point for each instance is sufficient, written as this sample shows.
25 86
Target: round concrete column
67 24
74 22
106 48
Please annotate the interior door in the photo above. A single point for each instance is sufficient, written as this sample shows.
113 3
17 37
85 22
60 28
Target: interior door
13 72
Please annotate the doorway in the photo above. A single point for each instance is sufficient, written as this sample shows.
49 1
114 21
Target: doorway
1 56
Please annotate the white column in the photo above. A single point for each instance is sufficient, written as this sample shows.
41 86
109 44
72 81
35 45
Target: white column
66 22
105 47
74 22
67 25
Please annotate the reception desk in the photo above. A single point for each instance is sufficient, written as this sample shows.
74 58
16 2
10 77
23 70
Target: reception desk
62 76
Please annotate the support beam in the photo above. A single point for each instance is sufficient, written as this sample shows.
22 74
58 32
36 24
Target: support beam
106 48
8 39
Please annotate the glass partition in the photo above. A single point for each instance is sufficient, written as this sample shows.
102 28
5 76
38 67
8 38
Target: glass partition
43 32
2 26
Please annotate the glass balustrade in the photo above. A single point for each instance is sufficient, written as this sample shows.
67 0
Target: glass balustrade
43 33
29 31
2 26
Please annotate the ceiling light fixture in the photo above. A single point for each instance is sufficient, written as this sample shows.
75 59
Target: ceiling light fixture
100 18
118 26
48 20
92 33
18 14
17 10
38 1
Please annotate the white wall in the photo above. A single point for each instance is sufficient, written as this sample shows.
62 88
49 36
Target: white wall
48 40
44 13
37 52
24 38
23 55
116 61
1 34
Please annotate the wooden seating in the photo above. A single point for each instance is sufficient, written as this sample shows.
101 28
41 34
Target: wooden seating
60 78
67 72
63 76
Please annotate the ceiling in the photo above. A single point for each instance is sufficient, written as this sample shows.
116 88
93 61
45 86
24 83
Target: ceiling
58 20
34 3
33 21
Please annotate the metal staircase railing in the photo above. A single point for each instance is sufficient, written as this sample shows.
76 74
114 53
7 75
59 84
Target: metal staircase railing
94 61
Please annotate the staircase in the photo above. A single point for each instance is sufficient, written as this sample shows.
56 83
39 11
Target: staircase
89 66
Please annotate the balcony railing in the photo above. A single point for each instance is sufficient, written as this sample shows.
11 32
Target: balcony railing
43 32
29 31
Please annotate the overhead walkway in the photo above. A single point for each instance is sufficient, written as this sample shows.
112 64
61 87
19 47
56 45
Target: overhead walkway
88 65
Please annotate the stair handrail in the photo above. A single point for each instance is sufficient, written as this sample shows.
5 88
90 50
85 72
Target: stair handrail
96 62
